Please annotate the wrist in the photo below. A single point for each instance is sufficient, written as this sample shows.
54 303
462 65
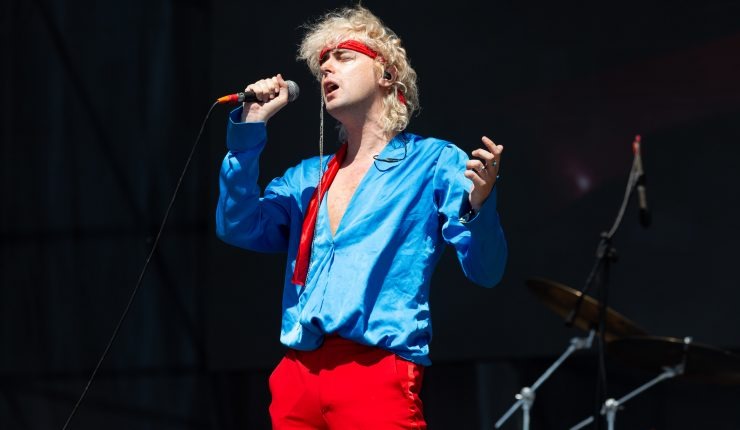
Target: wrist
475 205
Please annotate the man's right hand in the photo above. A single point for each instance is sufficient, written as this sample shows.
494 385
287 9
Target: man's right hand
272 94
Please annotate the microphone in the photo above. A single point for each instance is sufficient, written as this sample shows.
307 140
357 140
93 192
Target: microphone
249 97
645 218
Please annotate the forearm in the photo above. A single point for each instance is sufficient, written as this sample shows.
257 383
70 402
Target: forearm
243 218
484 256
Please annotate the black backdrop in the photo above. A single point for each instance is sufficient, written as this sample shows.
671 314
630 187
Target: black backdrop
101 102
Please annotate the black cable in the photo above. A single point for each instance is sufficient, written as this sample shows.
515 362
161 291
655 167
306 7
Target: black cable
605 254
604 245
405 139
143 269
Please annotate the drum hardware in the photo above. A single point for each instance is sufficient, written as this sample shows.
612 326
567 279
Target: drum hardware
692 361
561 299
525 398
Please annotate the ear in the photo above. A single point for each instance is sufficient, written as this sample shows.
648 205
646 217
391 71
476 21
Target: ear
388 77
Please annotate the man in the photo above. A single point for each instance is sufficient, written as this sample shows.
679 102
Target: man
362 231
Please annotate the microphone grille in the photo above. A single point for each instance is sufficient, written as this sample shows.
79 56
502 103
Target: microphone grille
293 90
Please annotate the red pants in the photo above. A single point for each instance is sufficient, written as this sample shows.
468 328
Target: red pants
346 386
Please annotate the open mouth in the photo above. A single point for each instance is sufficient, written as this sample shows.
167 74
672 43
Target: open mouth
329 87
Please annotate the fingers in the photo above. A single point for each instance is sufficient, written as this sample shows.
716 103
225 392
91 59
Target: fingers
271 94
494 150
483 171
269 89
491 145
479 174
474 176
486 157
475 165
280 81
491 156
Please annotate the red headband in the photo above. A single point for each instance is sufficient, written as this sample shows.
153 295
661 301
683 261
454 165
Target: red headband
357 46
352 45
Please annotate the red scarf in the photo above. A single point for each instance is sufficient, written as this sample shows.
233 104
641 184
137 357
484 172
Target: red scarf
300 272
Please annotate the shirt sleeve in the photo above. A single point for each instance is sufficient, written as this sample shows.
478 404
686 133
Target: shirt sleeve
479 242
243 218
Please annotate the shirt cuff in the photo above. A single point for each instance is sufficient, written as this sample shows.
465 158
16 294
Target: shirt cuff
470 215
244 136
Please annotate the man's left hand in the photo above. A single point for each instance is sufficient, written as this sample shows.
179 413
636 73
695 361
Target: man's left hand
483 171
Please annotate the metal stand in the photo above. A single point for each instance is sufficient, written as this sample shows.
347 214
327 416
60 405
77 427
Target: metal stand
526 396
611 406
605 255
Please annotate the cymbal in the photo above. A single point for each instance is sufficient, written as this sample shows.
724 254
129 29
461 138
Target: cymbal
562 299
704 363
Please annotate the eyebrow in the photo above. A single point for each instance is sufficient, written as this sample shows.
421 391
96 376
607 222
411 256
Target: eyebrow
337 51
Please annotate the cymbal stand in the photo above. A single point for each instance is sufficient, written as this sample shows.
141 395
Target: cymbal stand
605 255
611 406
525 398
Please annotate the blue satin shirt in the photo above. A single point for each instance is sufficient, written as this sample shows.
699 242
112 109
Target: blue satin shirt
369 282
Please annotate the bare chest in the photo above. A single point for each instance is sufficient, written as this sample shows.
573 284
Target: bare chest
341 191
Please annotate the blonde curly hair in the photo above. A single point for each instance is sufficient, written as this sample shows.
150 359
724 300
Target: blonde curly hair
360 24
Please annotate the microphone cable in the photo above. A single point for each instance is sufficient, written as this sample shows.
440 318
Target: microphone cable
143 269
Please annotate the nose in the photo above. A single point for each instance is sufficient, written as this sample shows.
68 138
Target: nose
327 66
